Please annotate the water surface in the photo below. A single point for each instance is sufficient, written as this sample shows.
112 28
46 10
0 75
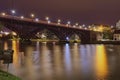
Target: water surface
43 61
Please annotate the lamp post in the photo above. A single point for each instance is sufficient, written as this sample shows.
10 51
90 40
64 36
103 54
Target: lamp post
59 21
48 20
3 13
32 16
13 12
76 24
36 19
68 23
22 17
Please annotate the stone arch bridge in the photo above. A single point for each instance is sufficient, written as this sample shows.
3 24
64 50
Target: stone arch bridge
27 28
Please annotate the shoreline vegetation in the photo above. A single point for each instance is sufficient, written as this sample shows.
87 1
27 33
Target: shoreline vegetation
7 76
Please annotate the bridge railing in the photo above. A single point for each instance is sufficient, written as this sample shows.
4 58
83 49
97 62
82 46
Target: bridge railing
40 22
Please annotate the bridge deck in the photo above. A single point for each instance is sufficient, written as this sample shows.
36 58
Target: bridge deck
16 18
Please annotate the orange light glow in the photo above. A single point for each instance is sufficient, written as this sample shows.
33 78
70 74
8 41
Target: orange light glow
15 47
101 67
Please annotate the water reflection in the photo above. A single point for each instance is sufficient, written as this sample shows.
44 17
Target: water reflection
15 47
86 60
46 66
101 66
16 65
57 63
36 54
42 61
67 59
29 63
75 59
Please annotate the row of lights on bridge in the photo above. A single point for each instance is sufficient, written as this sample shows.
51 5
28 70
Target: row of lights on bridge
48 20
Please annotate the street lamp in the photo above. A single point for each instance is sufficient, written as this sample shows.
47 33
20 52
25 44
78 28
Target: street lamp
22 17
68 23
3 14
80 27
83 25
36 19
48 20
111 26
76 24
85 28
32 15
59 21
89 27
13 12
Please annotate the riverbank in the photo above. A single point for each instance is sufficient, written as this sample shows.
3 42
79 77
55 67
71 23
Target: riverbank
7 76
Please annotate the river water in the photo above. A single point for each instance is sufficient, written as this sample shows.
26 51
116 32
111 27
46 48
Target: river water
51 61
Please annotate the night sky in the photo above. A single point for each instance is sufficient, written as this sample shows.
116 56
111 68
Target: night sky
82 11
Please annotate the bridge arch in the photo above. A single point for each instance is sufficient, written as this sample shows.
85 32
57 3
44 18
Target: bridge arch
83 36
75 38
46 34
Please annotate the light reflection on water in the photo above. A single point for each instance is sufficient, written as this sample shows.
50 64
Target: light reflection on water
67 59
16 65
41 61
101 66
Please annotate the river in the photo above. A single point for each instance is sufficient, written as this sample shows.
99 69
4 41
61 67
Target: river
51 61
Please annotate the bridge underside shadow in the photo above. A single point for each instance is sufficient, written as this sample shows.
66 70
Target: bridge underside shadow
29 31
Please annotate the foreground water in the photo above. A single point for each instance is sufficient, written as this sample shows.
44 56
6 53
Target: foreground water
41 61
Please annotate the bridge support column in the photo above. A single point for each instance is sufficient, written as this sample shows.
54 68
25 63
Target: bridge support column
93 37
